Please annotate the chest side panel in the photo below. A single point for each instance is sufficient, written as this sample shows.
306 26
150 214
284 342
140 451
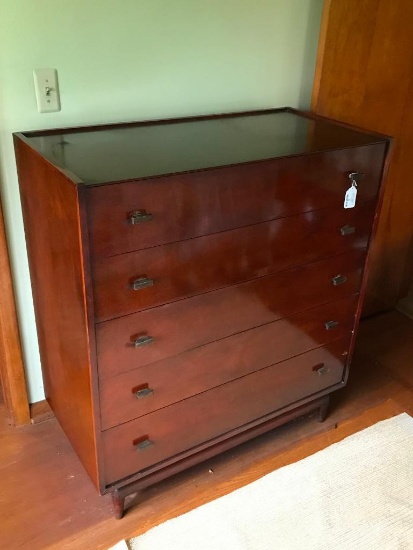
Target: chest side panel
52 227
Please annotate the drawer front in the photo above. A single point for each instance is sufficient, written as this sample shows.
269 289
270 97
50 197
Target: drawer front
132 282
168 330
157 385
148 440
190 205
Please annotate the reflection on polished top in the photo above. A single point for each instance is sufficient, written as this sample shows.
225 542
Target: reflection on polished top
139 150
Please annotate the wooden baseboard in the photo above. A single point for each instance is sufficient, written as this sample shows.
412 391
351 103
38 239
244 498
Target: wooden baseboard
405 306
40 411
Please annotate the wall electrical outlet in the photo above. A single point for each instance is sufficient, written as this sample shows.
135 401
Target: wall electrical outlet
47 90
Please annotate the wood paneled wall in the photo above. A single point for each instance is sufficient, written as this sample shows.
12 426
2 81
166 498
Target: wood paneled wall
364 76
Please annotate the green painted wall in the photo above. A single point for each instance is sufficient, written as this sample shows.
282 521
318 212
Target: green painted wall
141 59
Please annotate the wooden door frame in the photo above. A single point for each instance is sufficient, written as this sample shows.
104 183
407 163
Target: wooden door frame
320 55
12 373
368 106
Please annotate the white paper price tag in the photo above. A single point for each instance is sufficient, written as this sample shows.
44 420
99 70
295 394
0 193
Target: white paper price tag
350 198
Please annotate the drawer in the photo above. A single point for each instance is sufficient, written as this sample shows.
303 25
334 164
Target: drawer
201 418
195 266
157 385
190 205
164 331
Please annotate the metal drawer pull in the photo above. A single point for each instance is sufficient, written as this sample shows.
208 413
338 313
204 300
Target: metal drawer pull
142 443
143 393
142 282
331 324
321 369
356 176
339 280
143 341
347 229
139 216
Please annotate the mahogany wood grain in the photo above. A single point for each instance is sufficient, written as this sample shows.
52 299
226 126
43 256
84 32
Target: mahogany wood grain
218 314
208 366
51 215
190 205
62 510
203 417
135 488
174 378
360 37
12 376
191 267
59 202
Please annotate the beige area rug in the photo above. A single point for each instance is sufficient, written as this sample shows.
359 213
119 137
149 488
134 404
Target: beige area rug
356 494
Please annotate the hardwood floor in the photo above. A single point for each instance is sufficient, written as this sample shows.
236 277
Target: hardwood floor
47 501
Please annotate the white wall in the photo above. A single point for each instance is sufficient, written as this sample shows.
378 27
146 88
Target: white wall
121 60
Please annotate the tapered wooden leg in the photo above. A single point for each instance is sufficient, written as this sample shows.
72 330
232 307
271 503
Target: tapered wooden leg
118 502
323 410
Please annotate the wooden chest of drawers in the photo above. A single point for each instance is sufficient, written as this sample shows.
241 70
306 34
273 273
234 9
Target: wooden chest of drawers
196 281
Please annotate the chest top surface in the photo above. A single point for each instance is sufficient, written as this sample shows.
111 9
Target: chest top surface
120 152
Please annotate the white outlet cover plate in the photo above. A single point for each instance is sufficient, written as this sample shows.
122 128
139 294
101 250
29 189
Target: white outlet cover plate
47 90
